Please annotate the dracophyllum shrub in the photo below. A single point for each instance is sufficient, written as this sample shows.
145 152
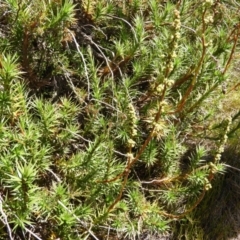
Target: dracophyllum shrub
49 171
176 63
125 151
36 139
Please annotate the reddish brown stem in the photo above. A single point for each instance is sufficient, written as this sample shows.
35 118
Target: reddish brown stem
232 53
197 70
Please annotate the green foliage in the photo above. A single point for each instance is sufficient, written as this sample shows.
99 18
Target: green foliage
106 127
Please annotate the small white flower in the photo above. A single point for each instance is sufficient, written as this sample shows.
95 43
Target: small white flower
208 19
134 132
176 13
229 119
210 2
160 88
174 55
163 103
131 143
175 45
170 66
177 35
130 156
221 149
218 157
177 24
170 83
